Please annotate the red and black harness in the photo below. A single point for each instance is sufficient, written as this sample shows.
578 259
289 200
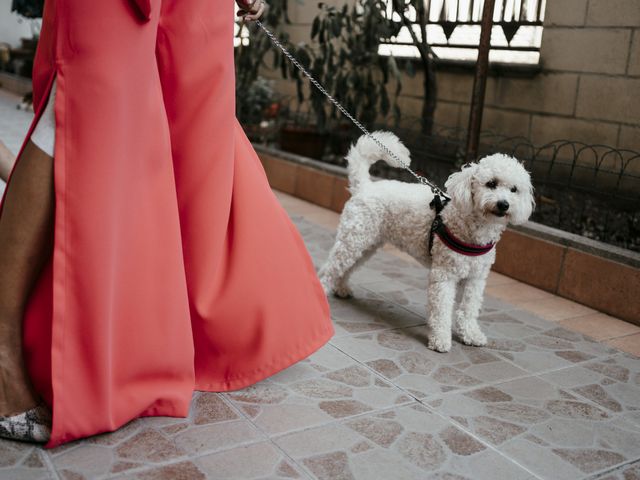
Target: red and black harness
439 228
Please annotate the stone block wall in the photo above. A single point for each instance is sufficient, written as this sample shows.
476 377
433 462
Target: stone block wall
588 89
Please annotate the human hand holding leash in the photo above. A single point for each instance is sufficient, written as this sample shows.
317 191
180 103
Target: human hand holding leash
251 10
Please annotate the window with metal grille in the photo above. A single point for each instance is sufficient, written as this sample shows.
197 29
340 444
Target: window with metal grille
453 30
243 38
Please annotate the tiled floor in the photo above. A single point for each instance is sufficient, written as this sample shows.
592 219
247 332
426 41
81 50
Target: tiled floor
543 400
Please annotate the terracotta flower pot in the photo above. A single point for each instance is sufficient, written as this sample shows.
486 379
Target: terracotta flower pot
303 141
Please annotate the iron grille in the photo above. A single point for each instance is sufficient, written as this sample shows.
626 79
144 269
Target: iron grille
453 29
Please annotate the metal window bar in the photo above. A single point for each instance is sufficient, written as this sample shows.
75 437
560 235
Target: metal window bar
508 15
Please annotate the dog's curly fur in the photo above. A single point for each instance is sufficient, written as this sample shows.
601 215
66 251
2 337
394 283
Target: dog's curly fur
398 212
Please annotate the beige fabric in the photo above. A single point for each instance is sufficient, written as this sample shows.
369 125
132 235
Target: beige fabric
44 134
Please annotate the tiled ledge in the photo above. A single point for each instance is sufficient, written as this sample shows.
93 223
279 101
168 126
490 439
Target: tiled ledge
15 83
600 276
598 281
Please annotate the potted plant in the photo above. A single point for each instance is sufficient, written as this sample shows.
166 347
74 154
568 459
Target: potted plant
253 46
346 62
299 134
250 60
252 106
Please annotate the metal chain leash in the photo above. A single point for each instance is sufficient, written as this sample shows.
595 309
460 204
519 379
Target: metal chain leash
435 189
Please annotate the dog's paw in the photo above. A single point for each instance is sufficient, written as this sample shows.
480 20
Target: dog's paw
439 344
474 338
343 292
328 290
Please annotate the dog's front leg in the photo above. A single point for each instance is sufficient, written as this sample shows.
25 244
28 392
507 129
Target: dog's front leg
466 316
441 295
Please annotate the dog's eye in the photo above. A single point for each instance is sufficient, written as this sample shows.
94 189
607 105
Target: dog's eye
492 184
514 189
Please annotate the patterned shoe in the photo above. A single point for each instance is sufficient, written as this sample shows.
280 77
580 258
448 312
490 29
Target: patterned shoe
34 425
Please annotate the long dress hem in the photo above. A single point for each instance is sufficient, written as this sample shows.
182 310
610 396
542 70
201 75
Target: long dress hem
174 267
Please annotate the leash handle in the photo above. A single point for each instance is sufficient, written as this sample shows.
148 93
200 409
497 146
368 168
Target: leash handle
436 191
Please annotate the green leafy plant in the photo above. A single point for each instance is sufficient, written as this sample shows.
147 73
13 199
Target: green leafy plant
347 57
255 100
251 52
251 57
346 62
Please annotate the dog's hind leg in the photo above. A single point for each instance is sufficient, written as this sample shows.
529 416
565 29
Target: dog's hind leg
344 258
466 316
342 288
357 238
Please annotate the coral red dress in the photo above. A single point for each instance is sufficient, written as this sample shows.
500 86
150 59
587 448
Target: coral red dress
174 266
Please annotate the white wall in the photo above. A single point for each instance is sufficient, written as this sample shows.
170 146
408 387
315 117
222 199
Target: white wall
12 26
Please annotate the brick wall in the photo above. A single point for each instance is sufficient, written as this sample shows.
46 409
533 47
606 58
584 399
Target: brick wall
588 89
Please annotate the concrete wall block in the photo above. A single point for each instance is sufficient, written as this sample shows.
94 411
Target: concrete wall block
618 13
447 114
504 122
585 49
391 89
529 259
546 129
297 33
630 139
410 106
412 86
286 86
15 83
565 13
314 186
340 194
616 99
465 111
634 56
452 87
304 11
281 174
455 87
608 286
551 93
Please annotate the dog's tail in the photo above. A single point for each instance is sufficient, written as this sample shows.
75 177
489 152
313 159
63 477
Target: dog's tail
365 152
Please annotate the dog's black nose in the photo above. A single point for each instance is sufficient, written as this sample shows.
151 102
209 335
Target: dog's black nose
503 205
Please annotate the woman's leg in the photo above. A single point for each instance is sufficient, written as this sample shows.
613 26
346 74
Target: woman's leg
26 235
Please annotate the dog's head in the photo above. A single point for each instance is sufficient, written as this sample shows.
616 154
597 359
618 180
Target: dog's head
497 188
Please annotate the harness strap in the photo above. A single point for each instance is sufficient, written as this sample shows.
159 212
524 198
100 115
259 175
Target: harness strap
438 204
439 228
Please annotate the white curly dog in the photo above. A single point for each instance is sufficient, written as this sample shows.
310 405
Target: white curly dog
485 197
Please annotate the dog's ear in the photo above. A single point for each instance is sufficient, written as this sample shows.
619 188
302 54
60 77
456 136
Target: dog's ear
526 208
459 187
